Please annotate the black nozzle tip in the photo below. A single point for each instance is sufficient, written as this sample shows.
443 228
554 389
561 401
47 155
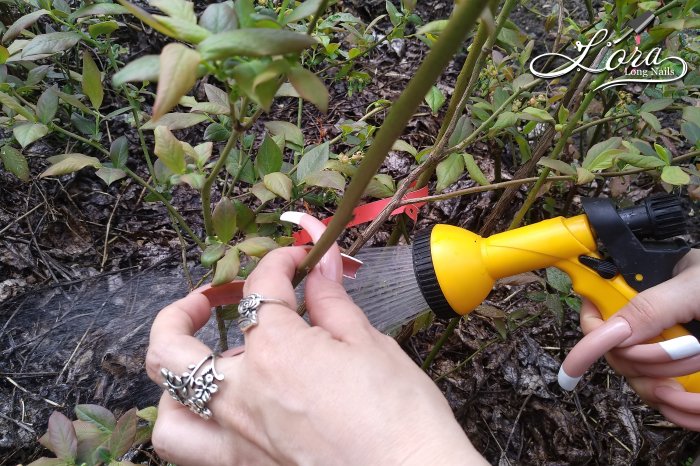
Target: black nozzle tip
425 275
659 217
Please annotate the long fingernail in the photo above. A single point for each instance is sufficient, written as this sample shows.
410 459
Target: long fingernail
329 267
681 347
566 381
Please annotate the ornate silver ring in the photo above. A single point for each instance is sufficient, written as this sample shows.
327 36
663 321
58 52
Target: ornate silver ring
193 390
248 310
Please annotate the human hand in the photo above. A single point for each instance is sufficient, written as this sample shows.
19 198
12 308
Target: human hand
335 392
647 367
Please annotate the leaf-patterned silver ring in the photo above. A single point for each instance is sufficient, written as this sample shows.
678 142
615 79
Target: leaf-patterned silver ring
248 310
193 390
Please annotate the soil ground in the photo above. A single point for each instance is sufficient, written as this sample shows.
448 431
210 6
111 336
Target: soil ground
83 269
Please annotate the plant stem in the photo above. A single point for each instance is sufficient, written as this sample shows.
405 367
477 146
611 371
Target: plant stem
585 126
321 9
451 326
450 40
209 182
78 137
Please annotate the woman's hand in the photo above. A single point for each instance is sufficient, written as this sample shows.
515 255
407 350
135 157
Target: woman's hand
335 392
647 314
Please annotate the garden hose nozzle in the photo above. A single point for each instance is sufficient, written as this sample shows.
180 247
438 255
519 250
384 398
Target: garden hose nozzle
456 269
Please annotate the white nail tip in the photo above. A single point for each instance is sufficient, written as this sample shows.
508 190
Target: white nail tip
681 347
566 381
292 217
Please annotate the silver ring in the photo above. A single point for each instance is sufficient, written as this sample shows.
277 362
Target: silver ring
192 390
248 310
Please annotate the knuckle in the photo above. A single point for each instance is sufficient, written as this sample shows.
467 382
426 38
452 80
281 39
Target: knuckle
642 310
153 361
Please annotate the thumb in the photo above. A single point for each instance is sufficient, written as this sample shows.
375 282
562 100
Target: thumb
675 301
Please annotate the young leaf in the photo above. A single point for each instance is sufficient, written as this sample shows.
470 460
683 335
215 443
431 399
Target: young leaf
15 162
269 158
216 132
435 99
123 434
12 103
224 219
62 437
306 9
98 9
310 87
505 120
149 413
449 171
48 44
261 192
313 161
147 18
289 131
92 81
174 121
178 73
651 119
280 184
595 151
47 105
227 268
558 280
119 151
584 176
663 153
394 15
97 415
403 146
258 42
169 150
216 95
380 186
219 17
674 175
536 114
641 161
69 163
22 23
146 68
474 171
184 30
177 9
656 105
258 246
27 133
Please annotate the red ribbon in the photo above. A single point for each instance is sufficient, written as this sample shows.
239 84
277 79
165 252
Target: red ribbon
368 212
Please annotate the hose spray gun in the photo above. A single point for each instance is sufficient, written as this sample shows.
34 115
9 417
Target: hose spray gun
456 269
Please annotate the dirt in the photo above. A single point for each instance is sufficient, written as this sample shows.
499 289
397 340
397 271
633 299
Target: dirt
74 314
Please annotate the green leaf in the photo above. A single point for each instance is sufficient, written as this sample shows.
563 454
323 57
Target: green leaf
403 146
219 17
92 81
224 219
119 151
109 175
174 121
557 165
433 27
449 171
248 76
178 73
462 130
104 28
326 179
239 165
641 161
169 150
62 437
69 163
253 43
12 103
474 171
15 162
280 184
691 131
194 180
522 81
269 158
289 131
558 280
227 268
675 176
394 15
505 120
536 114
380 186
96 415
313 161
48 44
212 253
22 23
123 434
593 158
216 132
27 133
47 105
309 86
184 30
663 153
261 192
435 99
177 9
73 101
306 9
583 176
4 54
98 9
651 120
150 414
258 246
692 114
656 105
146 68
147 18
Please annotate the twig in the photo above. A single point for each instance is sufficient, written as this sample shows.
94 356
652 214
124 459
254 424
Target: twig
7 227
107 229
33 395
